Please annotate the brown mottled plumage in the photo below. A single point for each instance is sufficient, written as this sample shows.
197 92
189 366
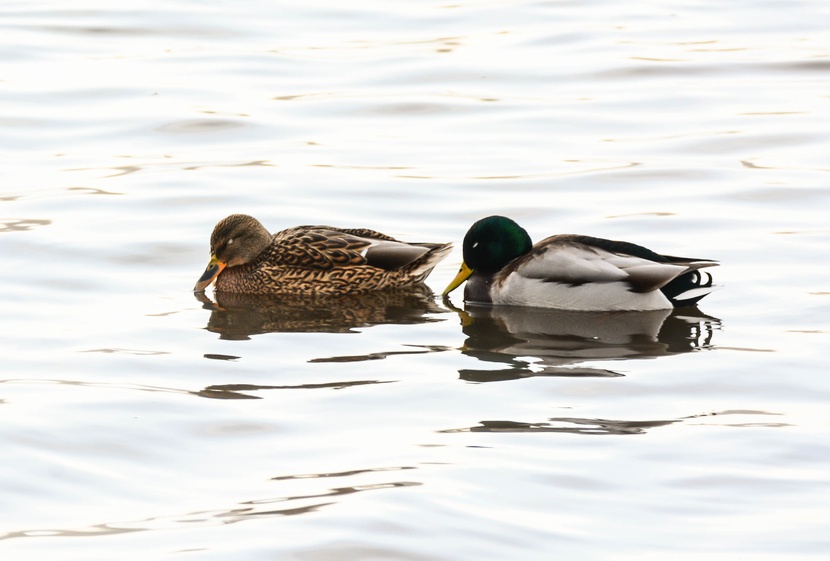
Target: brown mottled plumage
245 258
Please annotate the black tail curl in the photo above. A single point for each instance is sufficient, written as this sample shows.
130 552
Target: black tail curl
692 280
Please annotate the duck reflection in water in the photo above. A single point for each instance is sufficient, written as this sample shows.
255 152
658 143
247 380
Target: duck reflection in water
547 342
238 316
572 425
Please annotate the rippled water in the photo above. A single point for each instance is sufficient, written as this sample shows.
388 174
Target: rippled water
139 422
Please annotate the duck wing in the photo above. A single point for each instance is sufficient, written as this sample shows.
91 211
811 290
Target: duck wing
326 247
578 260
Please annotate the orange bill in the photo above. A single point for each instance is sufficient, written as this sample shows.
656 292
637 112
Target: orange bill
213 269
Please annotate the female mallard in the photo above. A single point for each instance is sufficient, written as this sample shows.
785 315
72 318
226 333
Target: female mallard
312 259
572 272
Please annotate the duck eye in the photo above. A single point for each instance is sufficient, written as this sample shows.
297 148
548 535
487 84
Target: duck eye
230 241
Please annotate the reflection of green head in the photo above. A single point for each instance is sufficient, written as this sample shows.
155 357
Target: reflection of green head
493 242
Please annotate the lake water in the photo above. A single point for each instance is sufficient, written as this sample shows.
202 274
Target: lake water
138 422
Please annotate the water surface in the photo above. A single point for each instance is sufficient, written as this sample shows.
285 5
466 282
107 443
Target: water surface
140 422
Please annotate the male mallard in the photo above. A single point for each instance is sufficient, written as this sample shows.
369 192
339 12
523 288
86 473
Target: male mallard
572 272
312 259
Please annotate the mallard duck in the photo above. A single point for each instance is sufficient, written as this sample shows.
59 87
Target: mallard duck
245 258
573 272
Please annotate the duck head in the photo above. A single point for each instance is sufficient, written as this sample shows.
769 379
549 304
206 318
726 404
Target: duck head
236 240
490 244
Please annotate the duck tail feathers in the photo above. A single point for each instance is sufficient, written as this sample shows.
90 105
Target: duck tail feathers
689 288
422 267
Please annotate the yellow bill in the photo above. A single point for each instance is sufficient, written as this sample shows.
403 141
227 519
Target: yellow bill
463 274
214 267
